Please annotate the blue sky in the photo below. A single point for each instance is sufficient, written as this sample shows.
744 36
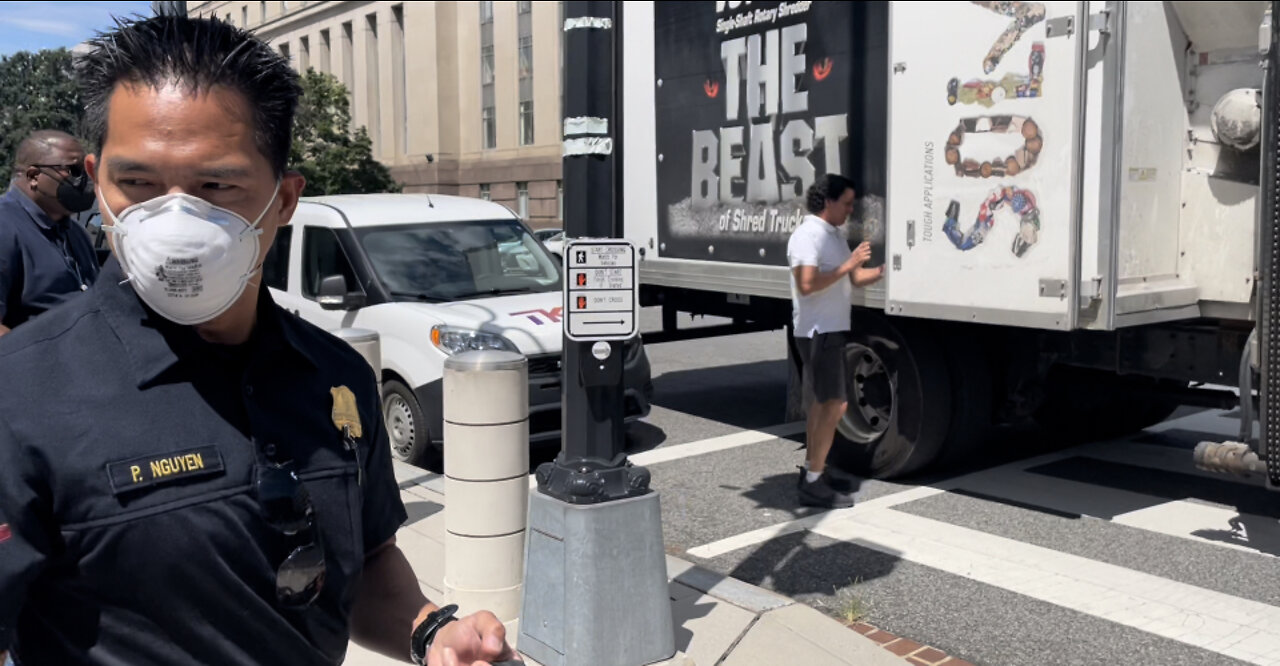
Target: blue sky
31 26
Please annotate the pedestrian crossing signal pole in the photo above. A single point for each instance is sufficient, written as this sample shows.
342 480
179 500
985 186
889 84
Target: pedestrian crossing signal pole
595 586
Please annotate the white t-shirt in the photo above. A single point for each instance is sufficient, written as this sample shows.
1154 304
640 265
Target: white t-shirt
817 243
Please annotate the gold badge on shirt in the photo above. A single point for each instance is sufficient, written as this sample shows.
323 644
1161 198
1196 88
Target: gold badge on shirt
345 414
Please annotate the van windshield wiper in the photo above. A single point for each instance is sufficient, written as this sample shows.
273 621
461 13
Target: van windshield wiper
425 298
499 292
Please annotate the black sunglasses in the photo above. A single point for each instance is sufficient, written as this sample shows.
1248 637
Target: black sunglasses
286 505
73 170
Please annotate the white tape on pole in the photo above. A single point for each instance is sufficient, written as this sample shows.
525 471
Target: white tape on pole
589 145
587 22
586 125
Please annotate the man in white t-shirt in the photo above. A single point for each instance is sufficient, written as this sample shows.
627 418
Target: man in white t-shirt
823 274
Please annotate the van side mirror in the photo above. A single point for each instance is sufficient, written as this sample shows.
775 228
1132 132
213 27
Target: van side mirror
334 295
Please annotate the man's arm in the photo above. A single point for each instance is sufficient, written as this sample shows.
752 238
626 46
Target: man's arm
387 603
865 276
810 280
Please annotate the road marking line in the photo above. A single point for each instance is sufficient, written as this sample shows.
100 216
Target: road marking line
1203 618
1176 518
709 445
759 536
714 444
1208 524
1193 521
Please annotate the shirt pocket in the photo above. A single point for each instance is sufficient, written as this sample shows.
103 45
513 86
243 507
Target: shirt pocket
335 500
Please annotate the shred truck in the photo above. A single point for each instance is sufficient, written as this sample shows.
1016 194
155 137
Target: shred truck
1075 203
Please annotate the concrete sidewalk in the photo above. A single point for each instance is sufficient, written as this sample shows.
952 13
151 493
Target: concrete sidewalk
718 620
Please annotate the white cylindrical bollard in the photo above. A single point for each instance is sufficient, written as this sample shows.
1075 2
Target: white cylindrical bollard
486 467
368 344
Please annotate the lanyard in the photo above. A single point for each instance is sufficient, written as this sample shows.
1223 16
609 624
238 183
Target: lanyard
60 240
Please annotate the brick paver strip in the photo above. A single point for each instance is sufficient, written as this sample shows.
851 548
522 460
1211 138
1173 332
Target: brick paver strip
863 628
903 647
882 637
929 656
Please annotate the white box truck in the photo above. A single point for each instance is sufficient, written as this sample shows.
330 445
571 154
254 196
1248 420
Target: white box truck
1075 203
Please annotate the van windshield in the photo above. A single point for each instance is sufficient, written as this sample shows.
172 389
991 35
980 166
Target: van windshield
439 262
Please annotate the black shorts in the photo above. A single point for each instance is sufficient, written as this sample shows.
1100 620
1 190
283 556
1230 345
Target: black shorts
823 365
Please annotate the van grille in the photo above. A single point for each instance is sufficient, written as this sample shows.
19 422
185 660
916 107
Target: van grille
548 364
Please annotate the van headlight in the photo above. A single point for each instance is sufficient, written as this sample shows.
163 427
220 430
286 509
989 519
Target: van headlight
452 340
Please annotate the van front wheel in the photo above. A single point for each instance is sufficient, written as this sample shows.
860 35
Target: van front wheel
407 428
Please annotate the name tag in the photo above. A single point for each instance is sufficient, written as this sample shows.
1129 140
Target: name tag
150 470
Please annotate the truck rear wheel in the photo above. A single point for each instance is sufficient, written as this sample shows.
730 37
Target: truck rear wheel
899 401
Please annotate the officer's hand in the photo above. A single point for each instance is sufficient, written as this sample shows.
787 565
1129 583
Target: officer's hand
475 640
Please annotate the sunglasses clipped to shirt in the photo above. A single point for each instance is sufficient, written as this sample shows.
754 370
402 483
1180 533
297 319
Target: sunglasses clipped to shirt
286 505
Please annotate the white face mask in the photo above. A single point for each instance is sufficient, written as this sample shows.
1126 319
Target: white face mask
185 257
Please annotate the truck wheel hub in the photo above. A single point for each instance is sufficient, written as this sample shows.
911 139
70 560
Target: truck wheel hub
870 396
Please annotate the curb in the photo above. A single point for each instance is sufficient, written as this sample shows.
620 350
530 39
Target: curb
915 653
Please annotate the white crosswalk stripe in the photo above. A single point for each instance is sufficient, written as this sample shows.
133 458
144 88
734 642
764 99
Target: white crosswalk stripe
1228 625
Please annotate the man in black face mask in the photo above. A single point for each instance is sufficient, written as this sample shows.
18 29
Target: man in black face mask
45 259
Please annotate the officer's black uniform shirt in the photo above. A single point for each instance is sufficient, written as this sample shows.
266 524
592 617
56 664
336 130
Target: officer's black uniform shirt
42 263
102 563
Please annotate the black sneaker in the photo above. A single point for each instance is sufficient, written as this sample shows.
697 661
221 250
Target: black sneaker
820 493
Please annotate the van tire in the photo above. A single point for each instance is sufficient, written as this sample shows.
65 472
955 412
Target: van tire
407 428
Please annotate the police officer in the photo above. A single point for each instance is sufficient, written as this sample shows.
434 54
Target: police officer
189 474
44 258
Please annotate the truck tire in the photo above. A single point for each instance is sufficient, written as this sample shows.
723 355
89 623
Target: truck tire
407 428
1082 404
899 400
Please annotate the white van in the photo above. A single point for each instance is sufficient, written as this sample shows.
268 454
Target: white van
434 275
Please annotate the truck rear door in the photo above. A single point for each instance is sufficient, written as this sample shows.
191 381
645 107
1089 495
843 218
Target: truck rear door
985 143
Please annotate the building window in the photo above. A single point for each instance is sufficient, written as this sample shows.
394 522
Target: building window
489 126
484 192
304 54
526 56
324 51
526 123
244 17
284 7
560 199
262 11
348 58
486 66
525 27
522 200
371 82
524 7
284 51
488 108
398 79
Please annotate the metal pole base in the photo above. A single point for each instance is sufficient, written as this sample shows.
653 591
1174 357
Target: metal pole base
595 591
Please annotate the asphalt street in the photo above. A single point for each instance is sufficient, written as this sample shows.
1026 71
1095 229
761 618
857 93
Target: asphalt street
1034 552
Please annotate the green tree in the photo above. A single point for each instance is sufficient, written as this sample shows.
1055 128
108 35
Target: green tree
37 91
334 159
